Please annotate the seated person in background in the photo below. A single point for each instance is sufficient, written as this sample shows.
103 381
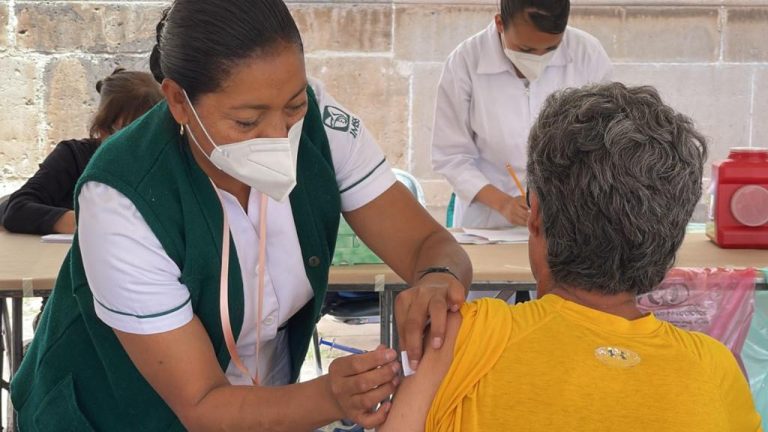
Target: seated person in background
44 204
614 175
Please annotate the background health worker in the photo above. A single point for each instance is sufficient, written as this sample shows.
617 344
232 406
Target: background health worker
492 88
44 205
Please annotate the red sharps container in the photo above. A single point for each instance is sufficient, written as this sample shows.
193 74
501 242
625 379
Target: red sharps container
738 216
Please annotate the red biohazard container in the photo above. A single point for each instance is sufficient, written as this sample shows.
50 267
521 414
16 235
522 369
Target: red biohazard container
738 216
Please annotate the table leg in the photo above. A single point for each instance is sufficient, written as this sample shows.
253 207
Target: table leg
395 334
3 346
17 341
17 334
386 306
316 346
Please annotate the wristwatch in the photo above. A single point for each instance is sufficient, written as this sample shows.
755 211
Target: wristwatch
437 269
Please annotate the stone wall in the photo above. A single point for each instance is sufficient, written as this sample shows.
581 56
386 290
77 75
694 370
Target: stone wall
383 60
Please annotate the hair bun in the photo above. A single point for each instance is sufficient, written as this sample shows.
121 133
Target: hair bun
154 65
154 59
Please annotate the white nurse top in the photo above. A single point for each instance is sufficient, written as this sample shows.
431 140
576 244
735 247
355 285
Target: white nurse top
136 286
484 112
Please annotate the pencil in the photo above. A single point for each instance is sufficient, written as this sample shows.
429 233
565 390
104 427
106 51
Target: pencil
517 180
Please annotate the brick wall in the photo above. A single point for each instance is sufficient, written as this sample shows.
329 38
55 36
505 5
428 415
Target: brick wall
383 60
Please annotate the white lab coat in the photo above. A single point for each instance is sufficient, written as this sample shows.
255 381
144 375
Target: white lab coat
484 112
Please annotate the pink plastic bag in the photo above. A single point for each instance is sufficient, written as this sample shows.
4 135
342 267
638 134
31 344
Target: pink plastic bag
718 302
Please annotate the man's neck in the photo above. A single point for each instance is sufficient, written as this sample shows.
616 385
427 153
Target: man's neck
622 304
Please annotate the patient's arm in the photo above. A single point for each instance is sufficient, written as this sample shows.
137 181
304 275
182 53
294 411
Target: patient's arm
414 396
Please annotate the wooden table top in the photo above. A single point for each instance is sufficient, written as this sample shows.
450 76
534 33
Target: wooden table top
26 262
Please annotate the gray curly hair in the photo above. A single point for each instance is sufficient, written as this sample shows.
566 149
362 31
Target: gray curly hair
617 174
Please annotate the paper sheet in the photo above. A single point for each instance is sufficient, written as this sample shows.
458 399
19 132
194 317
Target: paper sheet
487 236
57 238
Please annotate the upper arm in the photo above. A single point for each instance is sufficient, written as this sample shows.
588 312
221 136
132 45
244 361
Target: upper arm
415 394
452 105
41 201
737 398
135 284
362 171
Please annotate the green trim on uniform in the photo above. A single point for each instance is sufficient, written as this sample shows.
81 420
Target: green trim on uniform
365 177
154 315
76 375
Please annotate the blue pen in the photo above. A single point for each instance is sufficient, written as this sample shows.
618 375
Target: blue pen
340 347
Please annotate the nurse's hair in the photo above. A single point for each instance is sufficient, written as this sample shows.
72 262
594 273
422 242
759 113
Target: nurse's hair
548 16
124 96
617 174
200 41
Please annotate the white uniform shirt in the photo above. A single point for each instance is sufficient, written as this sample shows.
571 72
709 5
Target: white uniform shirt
484 112
136 285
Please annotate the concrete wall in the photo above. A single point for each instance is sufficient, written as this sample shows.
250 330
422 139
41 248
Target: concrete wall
383 60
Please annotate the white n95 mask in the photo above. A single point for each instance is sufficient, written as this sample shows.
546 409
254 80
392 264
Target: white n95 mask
265 164
530 65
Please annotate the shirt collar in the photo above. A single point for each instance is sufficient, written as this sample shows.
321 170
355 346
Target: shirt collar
493 60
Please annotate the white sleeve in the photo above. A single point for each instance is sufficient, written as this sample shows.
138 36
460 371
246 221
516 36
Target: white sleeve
454 152
362 170
602 65
135 284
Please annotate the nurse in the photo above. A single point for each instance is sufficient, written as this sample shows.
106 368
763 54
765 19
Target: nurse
205 234
492 88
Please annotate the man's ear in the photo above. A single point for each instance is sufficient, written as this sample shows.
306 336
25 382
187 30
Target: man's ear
535 223
177 103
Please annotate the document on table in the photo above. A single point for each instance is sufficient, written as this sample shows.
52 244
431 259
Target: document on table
489 236
57 238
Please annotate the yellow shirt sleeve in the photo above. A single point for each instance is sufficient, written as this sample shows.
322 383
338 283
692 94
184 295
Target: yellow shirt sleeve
483 336
737 398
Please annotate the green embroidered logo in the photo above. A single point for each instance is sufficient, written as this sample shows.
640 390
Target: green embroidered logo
336 119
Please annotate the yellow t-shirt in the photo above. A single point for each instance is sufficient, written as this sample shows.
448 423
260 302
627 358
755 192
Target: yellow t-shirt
554 365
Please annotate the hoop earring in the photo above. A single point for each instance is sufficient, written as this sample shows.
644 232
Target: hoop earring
181 130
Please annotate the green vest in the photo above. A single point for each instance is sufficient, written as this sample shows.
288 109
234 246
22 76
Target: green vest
76 375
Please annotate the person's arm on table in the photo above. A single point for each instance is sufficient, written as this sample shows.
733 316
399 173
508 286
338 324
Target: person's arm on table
34 208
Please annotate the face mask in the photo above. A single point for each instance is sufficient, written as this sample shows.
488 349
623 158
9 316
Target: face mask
265 164
530 65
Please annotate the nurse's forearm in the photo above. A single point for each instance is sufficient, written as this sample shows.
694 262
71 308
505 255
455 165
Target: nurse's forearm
297 407
492 197
441 250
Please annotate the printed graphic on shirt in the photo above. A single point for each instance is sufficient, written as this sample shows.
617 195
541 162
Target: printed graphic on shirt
336 119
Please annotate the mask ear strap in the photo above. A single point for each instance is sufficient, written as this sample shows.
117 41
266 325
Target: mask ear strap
191 135
197 117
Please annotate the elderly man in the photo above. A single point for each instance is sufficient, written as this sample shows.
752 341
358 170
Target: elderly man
614 176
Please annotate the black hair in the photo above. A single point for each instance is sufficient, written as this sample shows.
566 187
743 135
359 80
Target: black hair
549 16
199 41
124 96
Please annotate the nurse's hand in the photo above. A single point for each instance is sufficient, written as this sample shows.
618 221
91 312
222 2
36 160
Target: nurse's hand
515 210
358 383
426 302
